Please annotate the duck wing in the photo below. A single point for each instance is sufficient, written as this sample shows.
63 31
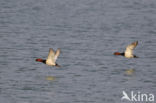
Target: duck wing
57 54
51 56
129 48
132 45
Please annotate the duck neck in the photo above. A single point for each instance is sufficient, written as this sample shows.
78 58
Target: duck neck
44 61
123 54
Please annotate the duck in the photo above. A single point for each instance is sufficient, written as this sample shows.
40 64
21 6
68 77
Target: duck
128 53
51 59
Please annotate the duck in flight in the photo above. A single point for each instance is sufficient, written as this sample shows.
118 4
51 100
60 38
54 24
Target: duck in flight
51 59
129 51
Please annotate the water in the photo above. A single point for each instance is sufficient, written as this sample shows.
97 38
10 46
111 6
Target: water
88 32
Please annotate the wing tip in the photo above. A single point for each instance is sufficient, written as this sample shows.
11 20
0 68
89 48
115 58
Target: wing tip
135 43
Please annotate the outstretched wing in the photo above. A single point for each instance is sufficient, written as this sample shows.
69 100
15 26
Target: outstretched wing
132 45
57 54
51 56
129 48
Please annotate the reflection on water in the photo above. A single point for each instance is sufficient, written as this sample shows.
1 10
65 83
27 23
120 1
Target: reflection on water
129 71
50 78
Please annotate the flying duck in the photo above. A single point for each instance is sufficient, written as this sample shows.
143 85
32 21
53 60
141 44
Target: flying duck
128 53
51 59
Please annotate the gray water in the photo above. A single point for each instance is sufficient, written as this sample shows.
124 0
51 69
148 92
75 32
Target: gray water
88 32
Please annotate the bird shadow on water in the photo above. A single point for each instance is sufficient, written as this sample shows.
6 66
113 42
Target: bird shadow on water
123 74
129 72
53 73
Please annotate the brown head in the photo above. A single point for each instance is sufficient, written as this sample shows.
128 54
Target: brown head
117 53
39 60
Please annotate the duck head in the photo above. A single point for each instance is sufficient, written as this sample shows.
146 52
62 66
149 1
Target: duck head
118 53
40 60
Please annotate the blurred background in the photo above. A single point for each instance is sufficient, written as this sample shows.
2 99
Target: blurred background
88 33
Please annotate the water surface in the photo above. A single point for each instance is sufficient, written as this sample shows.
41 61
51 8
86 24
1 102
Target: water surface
88 32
